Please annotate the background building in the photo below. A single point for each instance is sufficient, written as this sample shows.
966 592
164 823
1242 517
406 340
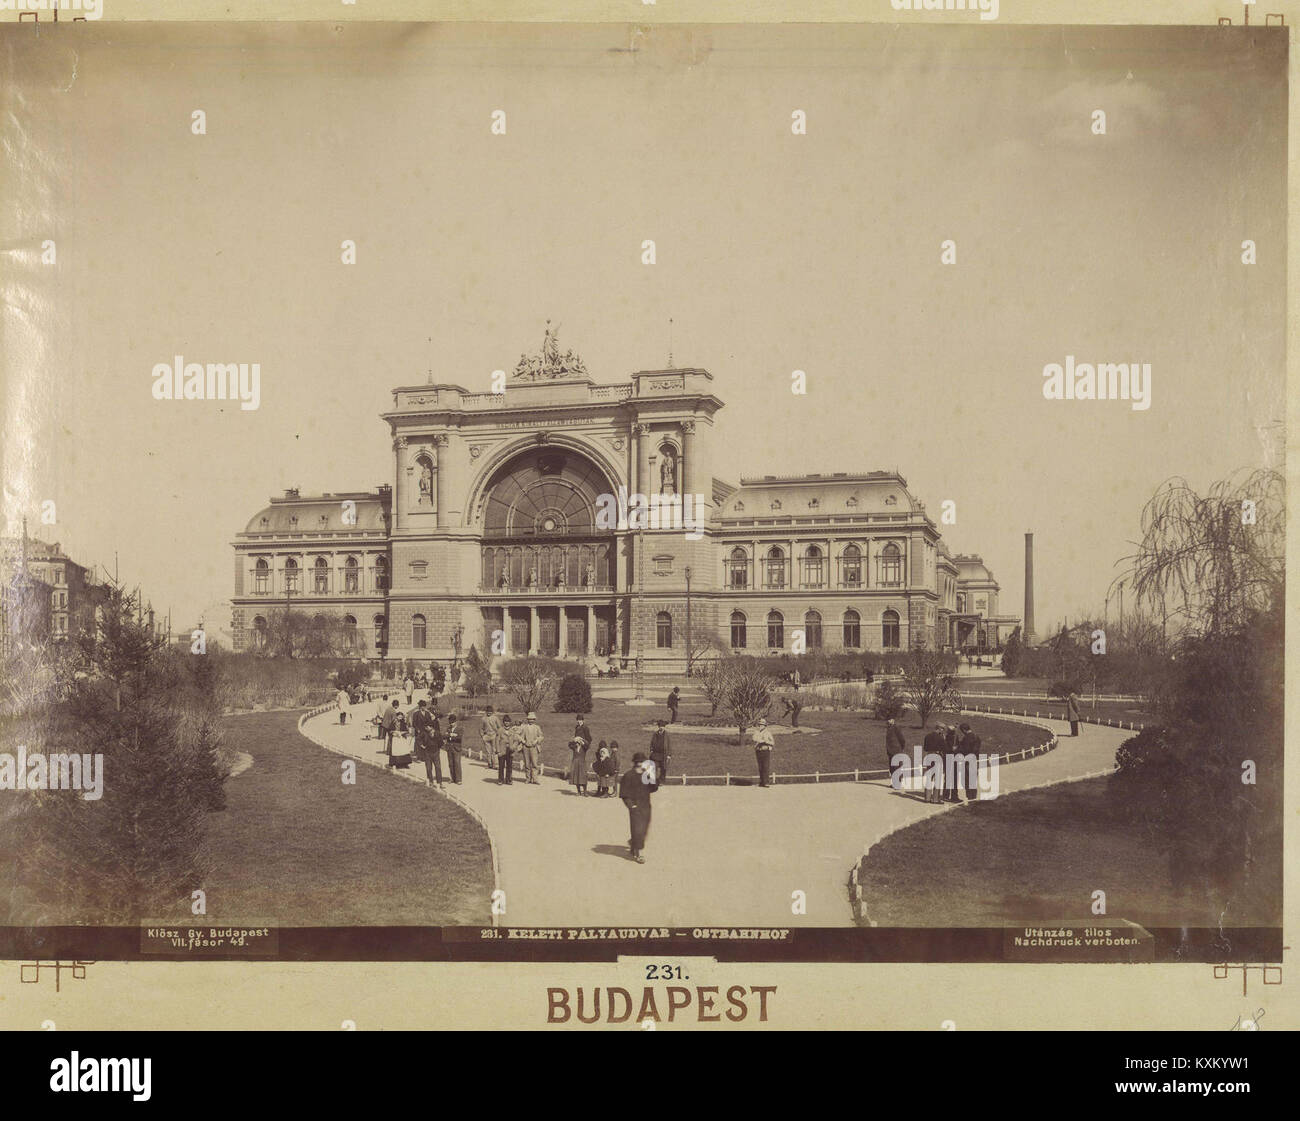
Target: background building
31 569
495 532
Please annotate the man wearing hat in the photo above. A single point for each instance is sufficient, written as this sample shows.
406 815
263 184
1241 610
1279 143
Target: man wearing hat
635 789
762 740
659 752
531 738
933 745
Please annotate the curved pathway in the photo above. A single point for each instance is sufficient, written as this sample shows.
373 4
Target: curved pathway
716 856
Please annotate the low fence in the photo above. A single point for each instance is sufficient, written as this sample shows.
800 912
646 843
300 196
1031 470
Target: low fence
1132 725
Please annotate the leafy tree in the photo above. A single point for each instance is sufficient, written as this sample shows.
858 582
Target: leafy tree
928 684
574 694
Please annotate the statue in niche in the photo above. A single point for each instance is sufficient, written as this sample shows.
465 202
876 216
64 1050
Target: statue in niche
532 577
668 472
589 576
426 481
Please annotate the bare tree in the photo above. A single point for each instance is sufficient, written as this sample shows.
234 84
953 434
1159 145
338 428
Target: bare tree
748 697
712 679
928 685
530 682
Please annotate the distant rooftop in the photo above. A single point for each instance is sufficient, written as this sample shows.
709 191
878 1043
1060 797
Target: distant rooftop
832 477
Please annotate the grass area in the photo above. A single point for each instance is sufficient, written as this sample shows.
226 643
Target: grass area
1038 856
297 847
845 740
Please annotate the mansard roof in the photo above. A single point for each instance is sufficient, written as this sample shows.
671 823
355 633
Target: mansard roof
874 492
318 513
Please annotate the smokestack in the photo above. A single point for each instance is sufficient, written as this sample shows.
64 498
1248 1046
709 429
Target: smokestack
1028 632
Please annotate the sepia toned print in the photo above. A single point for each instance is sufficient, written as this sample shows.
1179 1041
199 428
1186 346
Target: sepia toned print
781 494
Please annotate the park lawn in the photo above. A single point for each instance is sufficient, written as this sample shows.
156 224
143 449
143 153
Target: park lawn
845 741
295 846
1037 856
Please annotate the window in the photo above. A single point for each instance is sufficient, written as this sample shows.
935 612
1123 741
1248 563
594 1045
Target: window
812 630
380 637
814 567
664 630
381 573
349 632
261 579
891 564
738 569
419 632
58 575
852 567
852 630
321 575
259 633
889 630
738 630
290 575
351 577
775 568
775 630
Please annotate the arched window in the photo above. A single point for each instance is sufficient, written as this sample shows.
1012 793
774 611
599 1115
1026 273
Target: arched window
812 630
351 576
738 568
738 630
891 564
380 637
852 630
349 633
261 579
381 573
290 575
321 576
889 630
419 633
664 630
852 557
775 630
259 633
814 567
775 567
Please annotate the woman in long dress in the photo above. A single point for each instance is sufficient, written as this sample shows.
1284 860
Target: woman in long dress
578 767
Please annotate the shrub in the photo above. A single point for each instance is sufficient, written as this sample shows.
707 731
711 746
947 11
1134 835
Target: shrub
574 694
888 702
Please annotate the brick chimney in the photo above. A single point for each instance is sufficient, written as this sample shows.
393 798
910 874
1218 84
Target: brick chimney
1028 632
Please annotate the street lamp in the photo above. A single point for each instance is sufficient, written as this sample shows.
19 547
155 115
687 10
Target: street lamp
688 620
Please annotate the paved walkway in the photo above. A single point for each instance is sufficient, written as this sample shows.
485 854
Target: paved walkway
716 856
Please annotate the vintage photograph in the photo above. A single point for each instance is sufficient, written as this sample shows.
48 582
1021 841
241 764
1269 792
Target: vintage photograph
480 491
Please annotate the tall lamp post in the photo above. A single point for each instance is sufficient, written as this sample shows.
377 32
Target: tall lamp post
638 622
688 620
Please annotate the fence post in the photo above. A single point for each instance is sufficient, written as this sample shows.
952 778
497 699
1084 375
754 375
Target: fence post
726 779
817 776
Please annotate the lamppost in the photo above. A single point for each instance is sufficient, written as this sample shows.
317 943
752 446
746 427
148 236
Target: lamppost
688 620
639 621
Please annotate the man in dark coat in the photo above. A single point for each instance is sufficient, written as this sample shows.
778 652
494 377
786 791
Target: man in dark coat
659 752
970 749
581 731
674 699
452 745
894 745
951 778
426 742
635 789
387 726
934 745
1072 712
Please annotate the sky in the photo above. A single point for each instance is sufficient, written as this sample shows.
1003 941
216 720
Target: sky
775 252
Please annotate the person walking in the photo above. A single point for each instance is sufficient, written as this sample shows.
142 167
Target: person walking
426 742
614 767
1072 712
933 744
762 740
894 745
635 789
970 748
659 752
505 751
408 687
344 703
578 762
387 726
530 738
950 782
674 699
452 745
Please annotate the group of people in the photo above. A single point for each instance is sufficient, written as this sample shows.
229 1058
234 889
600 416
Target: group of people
431 741
504 740
956 744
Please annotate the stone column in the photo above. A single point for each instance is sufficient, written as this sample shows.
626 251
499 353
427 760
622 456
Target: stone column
440 478
532 628
588 619
641 434
689 478
564 631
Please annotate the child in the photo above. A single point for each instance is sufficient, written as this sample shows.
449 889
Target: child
578 768
613 754
604 768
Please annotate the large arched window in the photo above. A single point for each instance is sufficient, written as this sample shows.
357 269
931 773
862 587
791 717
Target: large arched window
775 630
775 567
738 635
419 632
349 633
259 633
891 565
664 630
852 560
889 630
261 578
738 568
812 630
351 575
380 628
852 630
321 576
814 567
290 575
